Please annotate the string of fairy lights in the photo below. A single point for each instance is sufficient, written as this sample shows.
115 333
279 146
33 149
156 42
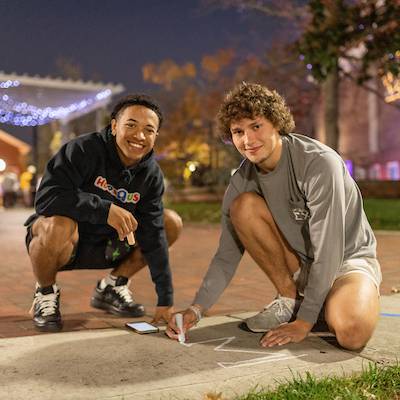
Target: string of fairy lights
21 113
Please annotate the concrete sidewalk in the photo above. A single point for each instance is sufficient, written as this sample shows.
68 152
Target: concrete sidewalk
96 358
218 358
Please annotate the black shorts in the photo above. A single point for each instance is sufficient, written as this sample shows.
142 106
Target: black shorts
100 253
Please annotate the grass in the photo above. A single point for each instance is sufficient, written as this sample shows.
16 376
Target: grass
198 211
383 214
377 383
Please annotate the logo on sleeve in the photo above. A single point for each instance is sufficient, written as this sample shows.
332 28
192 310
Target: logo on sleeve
121 194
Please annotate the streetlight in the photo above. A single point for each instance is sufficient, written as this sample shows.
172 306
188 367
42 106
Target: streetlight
3 165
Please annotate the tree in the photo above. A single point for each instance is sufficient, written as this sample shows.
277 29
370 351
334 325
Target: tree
357 40
167 73
191 96
69 69
328 33
338 27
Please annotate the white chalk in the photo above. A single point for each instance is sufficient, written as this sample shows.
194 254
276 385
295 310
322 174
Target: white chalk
179 324
131 238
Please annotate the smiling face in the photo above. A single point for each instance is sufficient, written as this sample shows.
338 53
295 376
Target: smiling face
135 130
258 141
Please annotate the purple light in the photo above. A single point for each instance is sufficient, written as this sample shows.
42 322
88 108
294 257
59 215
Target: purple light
8 84
350 167
393 170
16 113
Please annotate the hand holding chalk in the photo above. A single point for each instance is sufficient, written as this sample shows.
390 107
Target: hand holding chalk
122 221
131 238
179 324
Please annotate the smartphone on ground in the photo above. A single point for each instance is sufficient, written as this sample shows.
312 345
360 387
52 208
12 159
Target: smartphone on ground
142 327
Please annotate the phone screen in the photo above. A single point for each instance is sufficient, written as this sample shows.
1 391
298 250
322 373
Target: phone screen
142 327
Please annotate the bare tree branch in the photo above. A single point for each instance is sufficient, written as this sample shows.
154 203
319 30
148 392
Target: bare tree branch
370 89
288 9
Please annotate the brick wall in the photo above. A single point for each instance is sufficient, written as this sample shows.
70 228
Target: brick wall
12 157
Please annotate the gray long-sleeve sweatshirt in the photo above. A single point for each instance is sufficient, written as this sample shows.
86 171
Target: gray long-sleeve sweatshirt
316 205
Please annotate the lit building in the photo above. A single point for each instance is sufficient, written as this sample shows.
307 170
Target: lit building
51 108
13 152
369 128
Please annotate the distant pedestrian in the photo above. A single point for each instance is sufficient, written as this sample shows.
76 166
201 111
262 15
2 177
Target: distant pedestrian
10 187
294 207
26 180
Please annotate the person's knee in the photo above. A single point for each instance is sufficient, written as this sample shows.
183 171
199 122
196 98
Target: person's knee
246 206
173 225
352 334
56 232
353 326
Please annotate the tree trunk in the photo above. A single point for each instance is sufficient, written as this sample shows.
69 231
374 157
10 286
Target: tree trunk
331 109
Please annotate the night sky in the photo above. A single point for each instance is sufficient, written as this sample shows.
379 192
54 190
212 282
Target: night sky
112 39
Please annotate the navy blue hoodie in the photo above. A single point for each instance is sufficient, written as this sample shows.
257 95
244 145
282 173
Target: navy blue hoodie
86 176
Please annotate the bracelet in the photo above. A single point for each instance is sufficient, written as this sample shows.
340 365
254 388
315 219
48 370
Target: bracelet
197 312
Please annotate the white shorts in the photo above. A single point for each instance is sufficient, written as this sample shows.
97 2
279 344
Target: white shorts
367 266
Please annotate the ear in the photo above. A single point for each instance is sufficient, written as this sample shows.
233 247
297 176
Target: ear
113 126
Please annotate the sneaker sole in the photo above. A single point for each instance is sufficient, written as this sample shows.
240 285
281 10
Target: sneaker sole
49 327
254 330
243 326
259 330
95 303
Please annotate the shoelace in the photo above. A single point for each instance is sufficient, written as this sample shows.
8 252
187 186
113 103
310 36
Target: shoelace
47 303
124 292
277 302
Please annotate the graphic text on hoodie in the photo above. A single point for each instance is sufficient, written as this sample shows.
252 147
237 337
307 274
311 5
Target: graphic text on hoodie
121 194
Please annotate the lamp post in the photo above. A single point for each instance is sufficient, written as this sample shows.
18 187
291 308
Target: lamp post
210 143
35 152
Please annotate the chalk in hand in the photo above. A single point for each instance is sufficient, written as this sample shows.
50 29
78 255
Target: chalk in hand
131 238
179 324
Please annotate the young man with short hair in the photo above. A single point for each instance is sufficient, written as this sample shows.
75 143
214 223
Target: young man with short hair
96 191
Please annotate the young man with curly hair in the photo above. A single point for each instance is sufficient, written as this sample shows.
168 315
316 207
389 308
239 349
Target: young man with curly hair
294 207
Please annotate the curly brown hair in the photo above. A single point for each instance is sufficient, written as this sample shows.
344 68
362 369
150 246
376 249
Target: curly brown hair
249 100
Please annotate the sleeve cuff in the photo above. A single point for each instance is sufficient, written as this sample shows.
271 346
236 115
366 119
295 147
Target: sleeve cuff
166 300
307 315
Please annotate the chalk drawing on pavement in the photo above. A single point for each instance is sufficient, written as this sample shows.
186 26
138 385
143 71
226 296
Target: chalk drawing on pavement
267 356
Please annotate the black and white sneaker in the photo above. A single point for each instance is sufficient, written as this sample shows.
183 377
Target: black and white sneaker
116 299
46 309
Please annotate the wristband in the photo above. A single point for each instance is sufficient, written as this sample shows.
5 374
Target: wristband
196 312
